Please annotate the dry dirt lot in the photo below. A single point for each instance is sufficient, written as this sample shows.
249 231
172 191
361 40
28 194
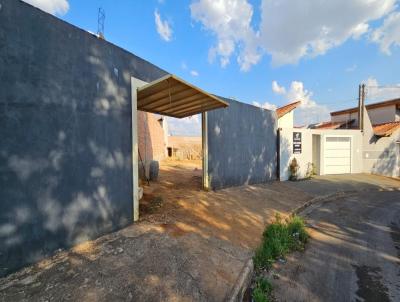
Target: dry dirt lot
189 245
237 215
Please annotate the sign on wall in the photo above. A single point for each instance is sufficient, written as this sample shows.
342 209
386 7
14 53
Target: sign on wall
296 142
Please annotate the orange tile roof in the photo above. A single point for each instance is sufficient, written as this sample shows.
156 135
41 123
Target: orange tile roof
281 111
333 125
386 129
395 102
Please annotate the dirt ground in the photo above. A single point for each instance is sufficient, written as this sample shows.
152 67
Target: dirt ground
237 215
189 245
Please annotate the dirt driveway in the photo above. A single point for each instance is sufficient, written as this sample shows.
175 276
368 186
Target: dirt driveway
190 245
353 254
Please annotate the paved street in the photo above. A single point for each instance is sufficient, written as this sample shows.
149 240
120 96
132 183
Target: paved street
353 254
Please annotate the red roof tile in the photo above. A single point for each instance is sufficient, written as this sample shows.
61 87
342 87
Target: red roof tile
386 129
281 111
333 125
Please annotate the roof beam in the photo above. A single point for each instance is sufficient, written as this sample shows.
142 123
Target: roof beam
161 93
183 105
196 111
177 99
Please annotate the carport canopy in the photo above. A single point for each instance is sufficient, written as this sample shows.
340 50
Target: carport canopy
172 96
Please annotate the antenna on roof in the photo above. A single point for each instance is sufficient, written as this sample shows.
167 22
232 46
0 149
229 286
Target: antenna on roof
100 23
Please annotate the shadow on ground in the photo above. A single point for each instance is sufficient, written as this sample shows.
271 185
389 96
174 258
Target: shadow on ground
191 246
353 254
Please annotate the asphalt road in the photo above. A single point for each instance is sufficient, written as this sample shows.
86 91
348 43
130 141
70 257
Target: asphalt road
353 255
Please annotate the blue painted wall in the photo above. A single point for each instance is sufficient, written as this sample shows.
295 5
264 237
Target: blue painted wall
241 145
65 134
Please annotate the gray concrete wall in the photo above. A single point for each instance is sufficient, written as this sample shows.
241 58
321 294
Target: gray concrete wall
241 145
65 129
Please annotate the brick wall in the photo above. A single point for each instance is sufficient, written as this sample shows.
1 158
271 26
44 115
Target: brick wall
151 137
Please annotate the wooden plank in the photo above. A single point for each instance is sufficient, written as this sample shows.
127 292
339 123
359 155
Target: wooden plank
163 83
161 94
188 105
181 101
192 108
161 113
199 110
178 98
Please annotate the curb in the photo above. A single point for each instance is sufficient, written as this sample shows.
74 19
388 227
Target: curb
315 200
245 276
242 283
337 195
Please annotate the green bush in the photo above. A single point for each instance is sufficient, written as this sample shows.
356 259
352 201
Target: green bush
279 238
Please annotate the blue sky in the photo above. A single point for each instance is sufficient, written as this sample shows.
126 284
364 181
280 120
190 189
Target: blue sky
316 50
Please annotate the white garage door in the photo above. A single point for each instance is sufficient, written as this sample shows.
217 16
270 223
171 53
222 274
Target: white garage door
337 155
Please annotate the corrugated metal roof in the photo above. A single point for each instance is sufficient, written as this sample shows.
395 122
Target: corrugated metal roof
174 97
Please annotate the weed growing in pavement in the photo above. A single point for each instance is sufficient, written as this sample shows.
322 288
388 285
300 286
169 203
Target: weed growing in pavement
279 239
262 291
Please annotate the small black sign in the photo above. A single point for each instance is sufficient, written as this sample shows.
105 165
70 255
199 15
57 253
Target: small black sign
296 142
296 148
297 137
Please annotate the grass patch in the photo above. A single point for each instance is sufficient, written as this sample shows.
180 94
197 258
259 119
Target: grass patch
262 290
280 238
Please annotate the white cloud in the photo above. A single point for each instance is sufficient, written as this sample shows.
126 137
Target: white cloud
194 73
184 66
266 105
388 35
278 89
188 126
291 29
376 92
163 27
309 111
55 7
229 20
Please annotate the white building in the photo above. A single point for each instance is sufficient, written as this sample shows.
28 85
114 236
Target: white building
340 146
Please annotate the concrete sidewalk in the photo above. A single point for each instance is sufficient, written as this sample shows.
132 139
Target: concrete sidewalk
330 184
192 248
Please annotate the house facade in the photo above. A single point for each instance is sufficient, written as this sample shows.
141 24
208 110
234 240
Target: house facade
342 146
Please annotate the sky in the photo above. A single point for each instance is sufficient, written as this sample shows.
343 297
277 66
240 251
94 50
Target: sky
267 53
